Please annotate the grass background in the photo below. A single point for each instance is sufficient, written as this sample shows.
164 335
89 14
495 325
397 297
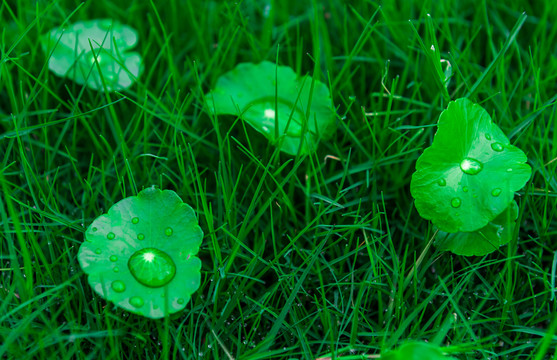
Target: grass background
320 256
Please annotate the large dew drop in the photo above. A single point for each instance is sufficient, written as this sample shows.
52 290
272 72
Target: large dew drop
152 267
471 166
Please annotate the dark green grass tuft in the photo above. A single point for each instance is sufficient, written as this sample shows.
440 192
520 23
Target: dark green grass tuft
305 257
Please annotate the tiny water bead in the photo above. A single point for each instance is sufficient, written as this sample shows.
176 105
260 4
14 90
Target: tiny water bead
110 236
93 57
488 136
455 202
269 114
94 229
471 166
497 147
168 231
465 188
135 220
140 236
113 258
496 192
118 286
116 269
442 182
136 301
180 301
152 267
98 251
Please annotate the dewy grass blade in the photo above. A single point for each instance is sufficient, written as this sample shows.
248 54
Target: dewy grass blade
491 67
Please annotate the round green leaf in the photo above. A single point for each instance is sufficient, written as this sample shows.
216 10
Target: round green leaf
90 52
416 351
483 241
470 173
301 107
141 254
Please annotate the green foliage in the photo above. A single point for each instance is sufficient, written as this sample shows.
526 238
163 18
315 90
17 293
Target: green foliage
319 256
94 53
497 232
141 254
469 175
416 351
293 113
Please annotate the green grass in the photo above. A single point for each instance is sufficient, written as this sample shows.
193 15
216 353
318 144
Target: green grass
303 257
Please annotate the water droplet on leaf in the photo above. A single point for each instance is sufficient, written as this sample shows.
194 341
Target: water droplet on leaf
116 269
455 202
497 147
488 136
113 258
180 301
140 236
269 114
135 220
118 286
465 188
152 267
98 251
471 166
136 301
442 182
496 192
168 231
94 229
110 236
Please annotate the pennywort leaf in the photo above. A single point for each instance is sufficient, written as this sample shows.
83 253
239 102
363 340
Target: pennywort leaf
496 233
469 175
266 100
141 254
90 52
416 351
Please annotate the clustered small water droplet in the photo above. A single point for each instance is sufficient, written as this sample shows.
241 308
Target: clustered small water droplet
497 147
118 286
136 301
168 231
113 258
110 236
496 192
455 202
